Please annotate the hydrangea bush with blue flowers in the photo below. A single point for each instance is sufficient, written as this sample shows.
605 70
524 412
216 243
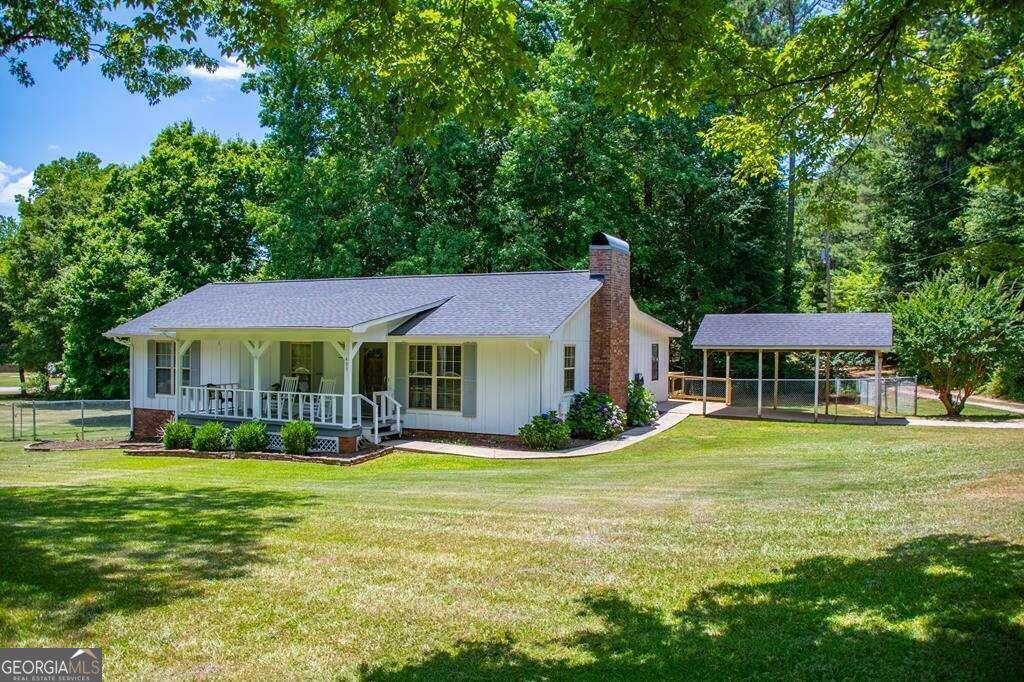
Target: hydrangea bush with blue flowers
641 409
593 415
546 432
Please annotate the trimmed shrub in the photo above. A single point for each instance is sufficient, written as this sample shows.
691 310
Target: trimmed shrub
250 437
212 437
546 432
593 415
641 409
298 437
177 435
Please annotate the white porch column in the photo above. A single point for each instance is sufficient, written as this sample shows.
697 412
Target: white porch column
760 372
878 384
704 386
348 389
256 350
817 381
180 347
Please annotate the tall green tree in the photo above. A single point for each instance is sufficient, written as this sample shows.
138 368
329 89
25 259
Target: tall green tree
64 198
172 222
955 333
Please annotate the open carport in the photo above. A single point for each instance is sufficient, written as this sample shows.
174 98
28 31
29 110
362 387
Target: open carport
779 333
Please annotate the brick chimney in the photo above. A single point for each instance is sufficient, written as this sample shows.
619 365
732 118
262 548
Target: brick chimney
609 317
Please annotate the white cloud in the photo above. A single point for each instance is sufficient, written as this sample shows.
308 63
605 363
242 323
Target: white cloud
228 70
54 147
13 181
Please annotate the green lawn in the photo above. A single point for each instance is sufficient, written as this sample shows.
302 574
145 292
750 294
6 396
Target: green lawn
720 549
9 380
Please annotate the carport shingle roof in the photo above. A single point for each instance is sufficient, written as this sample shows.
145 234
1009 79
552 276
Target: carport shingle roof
494 304
795 331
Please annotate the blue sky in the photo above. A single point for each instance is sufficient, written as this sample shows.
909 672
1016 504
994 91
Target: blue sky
78 109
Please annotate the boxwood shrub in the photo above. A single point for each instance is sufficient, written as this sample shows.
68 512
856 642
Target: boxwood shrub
546 432
212 437
177 435
250 437
298 437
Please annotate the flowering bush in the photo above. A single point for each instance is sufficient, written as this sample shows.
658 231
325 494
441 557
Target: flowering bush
592 414
641 409
546 432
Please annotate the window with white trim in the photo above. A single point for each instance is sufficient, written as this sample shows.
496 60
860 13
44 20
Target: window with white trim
655 361
435 377
569 369
164 364
186 368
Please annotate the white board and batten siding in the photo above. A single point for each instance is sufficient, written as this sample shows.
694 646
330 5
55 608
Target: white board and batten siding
642 335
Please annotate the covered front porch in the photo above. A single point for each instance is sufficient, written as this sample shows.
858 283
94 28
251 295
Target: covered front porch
341 385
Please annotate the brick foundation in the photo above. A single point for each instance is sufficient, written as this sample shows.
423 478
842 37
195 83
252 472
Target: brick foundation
347 444
609 318
148 423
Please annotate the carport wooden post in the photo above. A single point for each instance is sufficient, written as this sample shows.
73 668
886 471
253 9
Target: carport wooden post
760 373
878 384
728 378
775 395
704 386
817 381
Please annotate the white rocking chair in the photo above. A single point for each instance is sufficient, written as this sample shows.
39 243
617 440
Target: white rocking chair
320 399
278 402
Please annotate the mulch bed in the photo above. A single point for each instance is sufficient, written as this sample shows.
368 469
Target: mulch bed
495 442
340 460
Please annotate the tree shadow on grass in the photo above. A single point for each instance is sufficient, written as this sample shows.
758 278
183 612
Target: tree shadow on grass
71 555
943 606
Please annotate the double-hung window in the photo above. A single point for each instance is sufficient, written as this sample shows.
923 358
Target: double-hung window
655 361
165 355
164 364
569 369
435 377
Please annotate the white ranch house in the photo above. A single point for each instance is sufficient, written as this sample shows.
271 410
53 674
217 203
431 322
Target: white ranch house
364 358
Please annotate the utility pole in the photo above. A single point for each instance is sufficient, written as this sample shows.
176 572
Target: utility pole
826 258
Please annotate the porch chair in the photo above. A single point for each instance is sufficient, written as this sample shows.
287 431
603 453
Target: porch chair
289 384
320 401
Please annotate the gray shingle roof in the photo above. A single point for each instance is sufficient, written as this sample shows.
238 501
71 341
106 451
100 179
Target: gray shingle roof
496 304
792 331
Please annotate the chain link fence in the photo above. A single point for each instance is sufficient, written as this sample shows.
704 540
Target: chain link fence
97 420
852 396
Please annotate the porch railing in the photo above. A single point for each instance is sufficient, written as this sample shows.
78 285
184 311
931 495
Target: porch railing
319 408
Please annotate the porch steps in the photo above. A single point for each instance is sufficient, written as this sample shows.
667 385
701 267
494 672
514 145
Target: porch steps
386 428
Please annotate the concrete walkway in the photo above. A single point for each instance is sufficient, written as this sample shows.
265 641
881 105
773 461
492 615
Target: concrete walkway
783 415
979 401
674 411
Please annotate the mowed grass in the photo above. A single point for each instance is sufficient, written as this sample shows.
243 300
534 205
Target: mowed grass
9 380
719 549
